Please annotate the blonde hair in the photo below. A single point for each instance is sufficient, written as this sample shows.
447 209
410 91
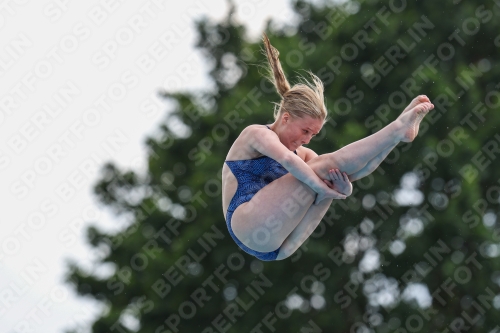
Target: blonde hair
302 99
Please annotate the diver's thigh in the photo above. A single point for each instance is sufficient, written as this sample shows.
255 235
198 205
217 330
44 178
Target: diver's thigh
264 222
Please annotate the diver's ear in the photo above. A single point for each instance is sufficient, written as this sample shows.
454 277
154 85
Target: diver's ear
285 117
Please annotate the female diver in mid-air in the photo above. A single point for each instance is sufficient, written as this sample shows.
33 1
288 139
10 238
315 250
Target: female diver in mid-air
275 191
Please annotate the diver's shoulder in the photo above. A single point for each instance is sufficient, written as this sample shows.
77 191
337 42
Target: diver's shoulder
255 128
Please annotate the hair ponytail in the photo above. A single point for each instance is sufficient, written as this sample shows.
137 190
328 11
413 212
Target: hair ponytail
302 99
276 75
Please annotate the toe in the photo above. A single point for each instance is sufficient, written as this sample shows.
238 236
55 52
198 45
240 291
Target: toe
423 98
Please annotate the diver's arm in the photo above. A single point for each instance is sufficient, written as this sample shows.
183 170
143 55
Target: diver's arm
267 143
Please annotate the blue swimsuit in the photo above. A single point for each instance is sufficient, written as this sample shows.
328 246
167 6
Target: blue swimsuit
252 175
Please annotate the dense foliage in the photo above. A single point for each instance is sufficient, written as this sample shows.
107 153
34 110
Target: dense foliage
414 249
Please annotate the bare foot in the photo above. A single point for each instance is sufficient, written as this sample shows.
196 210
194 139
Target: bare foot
410 120
416 101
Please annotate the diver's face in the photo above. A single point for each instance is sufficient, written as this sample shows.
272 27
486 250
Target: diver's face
299 131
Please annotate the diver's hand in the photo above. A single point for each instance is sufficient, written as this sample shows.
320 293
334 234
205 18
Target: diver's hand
328 193
339 182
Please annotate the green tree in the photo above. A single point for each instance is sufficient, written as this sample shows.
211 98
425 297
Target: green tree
423 222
